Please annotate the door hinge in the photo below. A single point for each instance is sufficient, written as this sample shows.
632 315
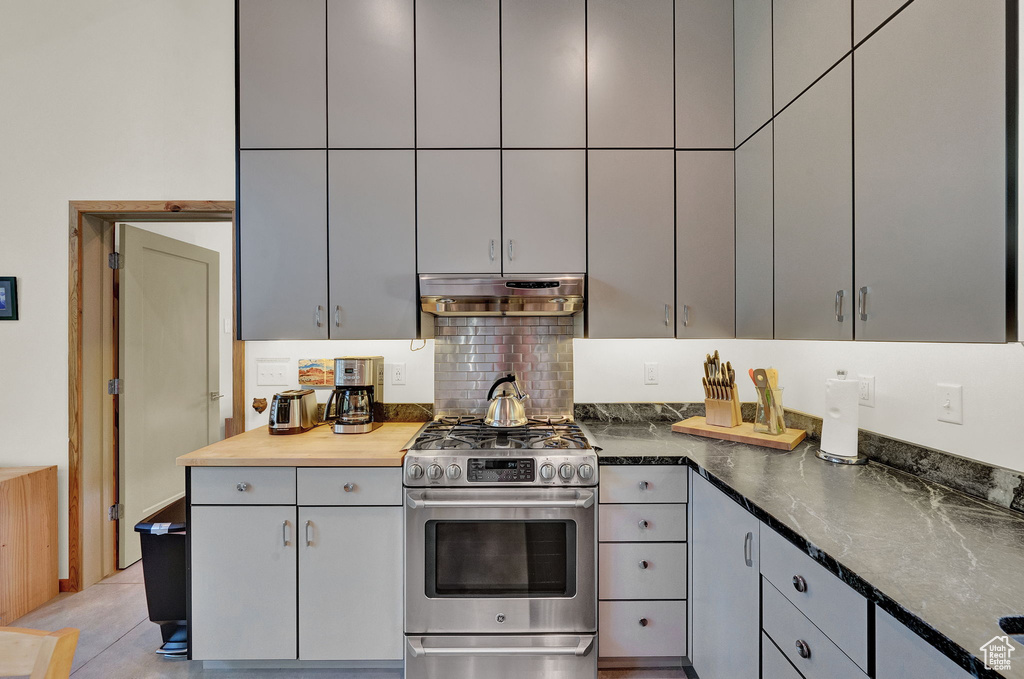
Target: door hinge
115 512
115 386
115 260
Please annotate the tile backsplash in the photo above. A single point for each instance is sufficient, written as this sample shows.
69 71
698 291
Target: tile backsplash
470 353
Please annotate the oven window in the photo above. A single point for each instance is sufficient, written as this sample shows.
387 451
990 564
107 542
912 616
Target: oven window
500 559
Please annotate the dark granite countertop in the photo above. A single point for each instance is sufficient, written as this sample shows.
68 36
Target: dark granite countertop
944 563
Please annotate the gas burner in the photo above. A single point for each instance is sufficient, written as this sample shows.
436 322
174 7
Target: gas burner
470 433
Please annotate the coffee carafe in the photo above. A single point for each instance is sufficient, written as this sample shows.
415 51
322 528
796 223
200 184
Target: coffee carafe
354 405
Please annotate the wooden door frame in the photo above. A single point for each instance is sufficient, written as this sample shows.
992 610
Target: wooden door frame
128 211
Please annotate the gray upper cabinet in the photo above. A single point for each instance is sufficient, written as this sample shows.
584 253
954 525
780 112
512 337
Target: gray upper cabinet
931 175
372 244
704 74
370 73
630 243
459 211
543 73
870 14
544 204
809 37
282 57
630 73
753 40
282 220
754 237
705 244
814 212
457 73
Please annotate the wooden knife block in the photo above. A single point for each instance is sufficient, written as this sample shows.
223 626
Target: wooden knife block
723 412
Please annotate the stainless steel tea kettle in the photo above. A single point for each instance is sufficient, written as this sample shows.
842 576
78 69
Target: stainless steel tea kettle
506 410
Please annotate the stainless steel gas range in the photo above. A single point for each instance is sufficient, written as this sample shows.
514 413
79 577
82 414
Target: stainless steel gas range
501 551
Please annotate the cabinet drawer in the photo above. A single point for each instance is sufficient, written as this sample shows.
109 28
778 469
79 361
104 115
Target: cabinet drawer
243 485
642 571
632 629
643 483
786 625
642 523
773 662
350 486
837 610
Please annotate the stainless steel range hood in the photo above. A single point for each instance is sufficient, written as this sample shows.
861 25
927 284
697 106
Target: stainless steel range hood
482 295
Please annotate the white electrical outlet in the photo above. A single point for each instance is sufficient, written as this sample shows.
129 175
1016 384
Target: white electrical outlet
650 372
397 373
866 391
949 400
272 372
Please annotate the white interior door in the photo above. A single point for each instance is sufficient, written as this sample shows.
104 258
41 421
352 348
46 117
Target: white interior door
169 364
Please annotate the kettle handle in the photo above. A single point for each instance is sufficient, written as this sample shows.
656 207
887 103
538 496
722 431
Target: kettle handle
510 378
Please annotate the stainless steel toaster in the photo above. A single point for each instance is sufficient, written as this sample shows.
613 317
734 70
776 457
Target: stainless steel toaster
293 412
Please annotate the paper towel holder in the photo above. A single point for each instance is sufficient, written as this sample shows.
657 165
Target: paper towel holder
840 459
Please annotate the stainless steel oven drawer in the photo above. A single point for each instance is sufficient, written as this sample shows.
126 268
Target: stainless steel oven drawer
548 656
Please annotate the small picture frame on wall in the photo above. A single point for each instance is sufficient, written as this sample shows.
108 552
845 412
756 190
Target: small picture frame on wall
8 298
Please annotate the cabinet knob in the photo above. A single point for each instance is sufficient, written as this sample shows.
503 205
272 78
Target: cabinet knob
242 487
802 649
799 584
643 485
643 524
644 622
644 565
349 487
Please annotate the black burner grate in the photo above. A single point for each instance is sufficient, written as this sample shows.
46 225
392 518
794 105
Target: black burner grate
470 433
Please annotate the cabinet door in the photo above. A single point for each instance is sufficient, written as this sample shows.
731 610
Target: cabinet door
457 73
755 238
459 211
931 175
631 214
901 654
350 583
372 244
544 205
808 38
753 40
282 53
282 221
724 585
243 582
370 73
543 73
705 244
630 73
814 212
704 74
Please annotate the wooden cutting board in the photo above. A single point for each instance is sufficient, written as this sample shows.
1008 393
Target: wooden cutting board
743 433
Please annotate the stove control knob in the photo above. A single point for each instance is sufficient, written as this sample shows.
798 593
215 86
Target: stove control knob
454 471
565 471
586 471
434 472
415 472
547 471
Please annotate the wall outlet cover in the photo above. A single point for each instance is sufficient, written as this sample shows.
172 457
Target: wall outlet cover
651 372
866 391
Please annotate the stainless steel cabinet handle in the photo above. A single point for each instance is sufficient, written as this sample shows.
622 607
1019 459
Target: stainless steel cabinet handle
686 315
644 565
492 249
580 500
337 316
802 649
511 252
581 648
643 524
667 313
862 303
799 584
748 549
319 321
242 487
839 305
349 487
284 533
643 622
644 485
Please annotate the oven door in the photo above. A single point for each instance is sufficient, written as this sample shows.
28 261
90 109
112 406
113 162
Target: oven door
514 561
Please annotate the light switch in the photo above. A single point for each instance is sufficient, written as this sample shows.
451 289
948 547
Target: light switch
272 372
949 398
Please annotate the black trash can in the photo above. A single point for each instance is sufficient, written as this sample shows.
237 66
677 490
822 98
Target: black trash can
163 564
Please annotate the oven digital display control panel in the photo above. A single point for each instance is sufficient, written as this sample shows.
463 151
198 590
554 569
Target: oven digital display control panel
500 470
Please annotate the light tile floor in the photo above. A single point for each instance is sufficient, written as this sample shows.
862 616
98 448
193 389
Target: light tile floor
118 641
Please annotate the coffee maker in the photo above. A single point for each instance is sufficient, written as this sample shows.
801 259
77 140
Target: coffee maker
355 404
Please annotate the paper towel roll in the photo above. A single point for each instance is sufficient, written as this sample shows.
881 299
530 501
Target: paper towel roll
839 426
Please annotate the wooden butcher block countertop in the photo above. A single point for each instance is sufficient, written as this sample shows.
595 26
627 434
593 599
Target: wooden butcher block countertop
319 447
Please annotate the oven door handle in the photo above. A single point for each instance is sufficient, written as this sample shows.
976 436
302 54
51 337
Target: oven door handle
580 649
583 500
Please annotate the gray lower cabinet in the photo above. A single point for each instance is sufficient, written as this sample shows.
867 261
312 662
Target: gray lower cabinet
724 585
753 40
901 654
705 244
814 212
808 38
244 569
282 67
282 220
704 74
774 664
372 244
631 212
755 238
931 175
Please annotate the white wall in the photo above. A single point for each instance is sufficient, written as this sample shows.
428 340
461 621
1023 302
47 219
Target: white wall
99 100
